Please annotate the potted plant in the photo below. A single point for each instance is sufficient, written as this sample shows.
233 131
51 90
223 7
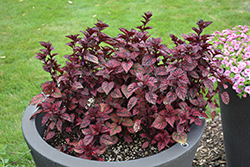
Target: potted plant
234 63
128 89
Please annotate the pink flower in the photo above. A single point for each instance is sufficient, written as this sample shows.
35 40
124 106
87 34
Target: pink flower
247 72
234 69
227 72
213 79
247 89
242 80
242 65
220 70
236 46
231 49
226 52
247 55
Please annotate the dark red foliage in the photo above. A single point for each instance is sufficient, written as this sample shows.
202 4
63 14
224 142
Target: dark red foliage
135 83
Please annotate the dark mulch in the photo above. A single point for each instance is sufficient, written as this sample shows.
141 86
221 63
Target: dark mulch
211 151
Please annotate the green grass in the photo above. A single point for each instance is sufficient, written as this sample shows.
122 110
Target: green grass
23 23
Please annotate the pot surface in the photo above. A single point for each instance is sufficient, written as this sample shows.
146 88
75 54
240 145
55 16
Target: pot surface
46 156
236 129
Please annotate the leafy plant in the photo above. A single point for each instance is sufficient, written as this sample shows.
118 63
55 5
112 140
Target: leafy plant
234 60
111 88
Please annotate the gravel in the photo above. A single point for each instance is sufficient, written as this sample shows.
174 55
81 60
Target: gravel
211 151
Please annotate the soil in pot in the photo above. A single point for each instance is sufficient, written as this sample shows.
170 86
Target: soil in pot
121 151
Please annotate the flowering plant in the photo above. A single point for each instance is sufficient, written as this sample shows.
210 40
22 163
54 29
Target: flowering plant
235 58
137 86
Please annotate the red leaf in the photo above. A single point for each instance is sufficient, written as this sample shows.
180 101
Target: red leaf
194 74
180 137
45 118
198 122
131 103
83 102
66 117
48 86
185 65
77 85
107 86
52 125
209 85
127 65
133 55
170 120
159 123
123 112
116 93
127 122
160 71
137 125
122 53
85 123
115 129
184 106
128 139
181 92
132 87
195 102
171 97
112 63
114 117
161 145
88 139
106 140
91 58
211 106
202 101
50 135
37 112
57 93
145 144
225 97
137 68
151 97
37 99
193 92
125 91
59 126
213 114
147 60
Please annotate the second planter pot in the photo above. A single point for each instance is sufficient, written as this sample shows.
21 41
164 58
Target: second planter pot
236 129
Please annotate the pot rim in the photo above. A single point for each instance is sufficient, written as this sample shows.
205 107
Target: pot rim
35 141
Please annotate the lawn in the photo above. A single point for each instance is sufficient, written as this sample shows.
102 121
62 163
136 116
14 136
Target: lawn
23 23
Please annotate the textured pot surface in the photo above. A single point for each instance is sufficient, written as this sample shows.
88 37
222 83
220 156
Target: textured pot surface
236 129
46 156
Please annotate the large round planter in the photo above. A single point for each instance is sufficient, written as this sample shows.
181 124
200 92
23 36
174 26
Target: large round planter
236 129
46 156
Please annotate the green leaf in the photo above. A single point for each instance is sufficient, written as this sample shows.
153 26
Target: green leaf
127 122
115 129
180 137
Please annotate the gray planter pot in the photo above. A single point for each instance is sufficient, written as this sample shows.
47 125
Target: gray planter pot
46 156
236 129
